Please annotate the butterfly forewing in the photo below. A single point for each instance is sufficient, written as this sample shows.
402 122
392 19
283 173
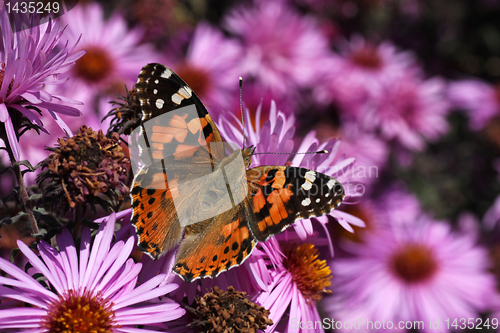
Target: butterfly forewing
280 195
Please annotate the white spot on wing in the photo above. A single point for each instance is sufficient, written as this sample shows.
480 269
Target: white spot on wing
166 73
159 103
157 81
189 91
185 92
306 202
331 183
307 185
155 91
317 200
310 176
177 99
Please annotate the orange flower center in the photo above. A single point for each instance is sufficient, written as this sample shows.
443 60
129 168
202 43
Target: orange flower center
312 276
75 313
414 263
94 66
367 57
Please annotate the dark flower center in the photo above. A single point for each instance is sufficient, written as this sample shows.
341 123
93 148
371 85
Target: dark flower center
80 313
367 57
414 263
2 75
312 276
2 72
94 66
86 150
497 95
197 78
228 311
495 259
360 211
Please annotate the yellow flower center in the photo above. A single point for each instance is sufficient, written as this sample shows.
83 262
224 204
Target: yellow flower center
312 276
75 313
94 66
414 263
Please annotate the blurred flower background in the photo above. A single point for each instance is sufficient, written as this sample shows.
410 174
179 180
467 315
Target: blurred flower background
404 94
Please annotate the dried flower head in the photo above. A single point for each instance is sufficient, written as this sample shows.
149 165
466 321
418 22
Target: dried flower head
84 166
228 311
127 113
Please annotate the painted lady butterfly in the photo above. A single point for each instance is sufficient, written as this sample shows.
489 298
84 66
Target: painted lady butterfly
190 191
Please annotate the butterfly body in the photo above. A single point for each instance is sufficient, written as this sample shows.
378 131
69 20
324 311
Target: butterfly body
190 192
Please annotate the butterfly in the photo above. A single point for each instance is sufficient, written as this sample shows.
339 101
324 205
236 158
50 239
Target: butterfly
193 192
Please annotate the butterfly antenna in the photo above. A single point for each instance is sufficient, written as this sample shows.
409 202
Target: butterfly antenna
307 152
241 111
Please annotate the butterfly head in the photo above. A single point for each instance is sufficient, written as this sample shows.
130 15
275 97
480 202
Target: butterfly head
247 155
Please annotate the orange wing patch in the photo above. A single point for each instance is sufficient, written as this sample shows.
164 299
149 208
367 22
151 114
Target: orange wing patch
154 214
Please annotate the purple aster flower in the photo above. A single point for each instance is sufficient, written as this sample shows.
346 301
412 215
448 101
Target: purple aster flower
409 110
360 70
419 271
479 99
92 288
283 50
210 66
113 58
298 280
30 60
394 205
369 151
275 136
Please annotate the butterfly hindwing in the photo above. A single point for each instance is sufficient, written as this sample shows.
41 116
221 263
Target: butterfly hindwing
214 246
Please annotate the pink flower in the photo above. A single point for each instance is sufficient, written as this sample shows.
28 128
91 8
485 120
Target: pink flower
29 60
114 55
370 152
210 67
360 70
409 110
91 288
479 99
282 50
419 271
298 279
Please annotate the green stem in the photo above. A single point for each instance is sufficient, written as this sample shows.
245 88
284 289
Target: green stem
23 193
